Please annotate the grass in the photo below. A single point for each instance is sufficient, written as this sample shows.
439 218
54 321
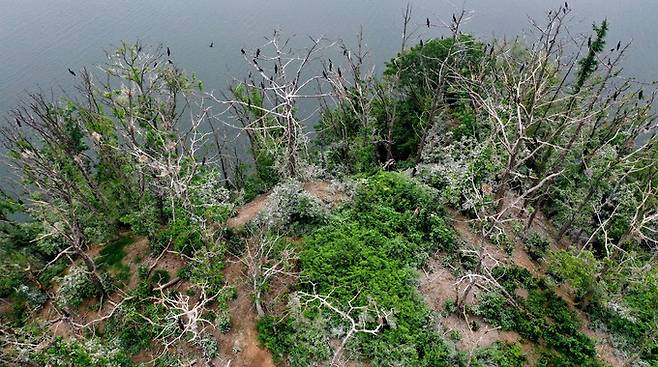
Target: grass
111 256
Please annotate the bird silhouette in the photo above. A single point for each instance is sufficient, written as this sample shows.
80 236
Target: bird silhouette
257 52
168 52
566 6
242 51
640 95
155 64
421 43
428 23
211 44
340 74
72 72
331 65
618 45
276 69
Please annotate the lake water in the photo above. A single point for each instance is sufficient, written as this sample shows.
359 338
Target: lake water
40 39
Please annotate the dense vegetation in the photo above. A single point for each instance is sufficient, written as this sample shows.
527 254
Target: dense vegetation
525 175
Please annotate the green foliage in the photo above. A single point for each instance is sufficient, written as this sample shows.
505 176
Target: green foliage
87 353
579 270
159 276
543 318
182 233
299 341
292 210
588 64
536 245
500 354
368 254
75 287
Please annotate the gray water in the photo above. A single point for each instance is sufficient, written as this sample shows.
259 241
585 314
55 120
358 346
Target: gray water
40 39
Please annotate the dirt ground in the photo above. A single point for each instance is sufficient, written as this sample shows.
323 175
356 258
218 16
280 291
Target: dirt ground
437 286
240 346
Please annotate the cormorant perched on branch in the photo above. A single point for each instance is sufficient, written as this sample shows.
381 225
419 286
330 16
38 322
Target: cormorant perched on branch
242 51
168 52
428 23
331 65
340 74
72 72
257 52
421 43
211 44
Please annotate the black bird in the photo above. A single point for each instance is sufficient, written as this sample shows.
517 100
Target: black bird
155 64
257 52
276 69
618 45
340 74
168 52
589 42
203 163
640 95
428 23
170 62
566 6
421 42
211 44
331 65
72 72
243 51
345 52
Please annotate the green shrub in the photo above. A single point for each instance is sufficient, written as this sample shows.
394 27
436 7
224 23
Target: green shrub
500 354
536 245
75 287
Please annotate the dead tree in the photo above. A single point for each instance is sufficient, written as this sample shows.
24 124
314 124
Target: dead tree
369 319
267 103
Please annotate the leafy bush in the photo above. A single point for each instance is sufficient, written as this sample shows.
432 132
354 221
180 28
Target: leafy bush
291 209
500 354
366 255
579 270
88 353
536 245
75 287
543 317
303 341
